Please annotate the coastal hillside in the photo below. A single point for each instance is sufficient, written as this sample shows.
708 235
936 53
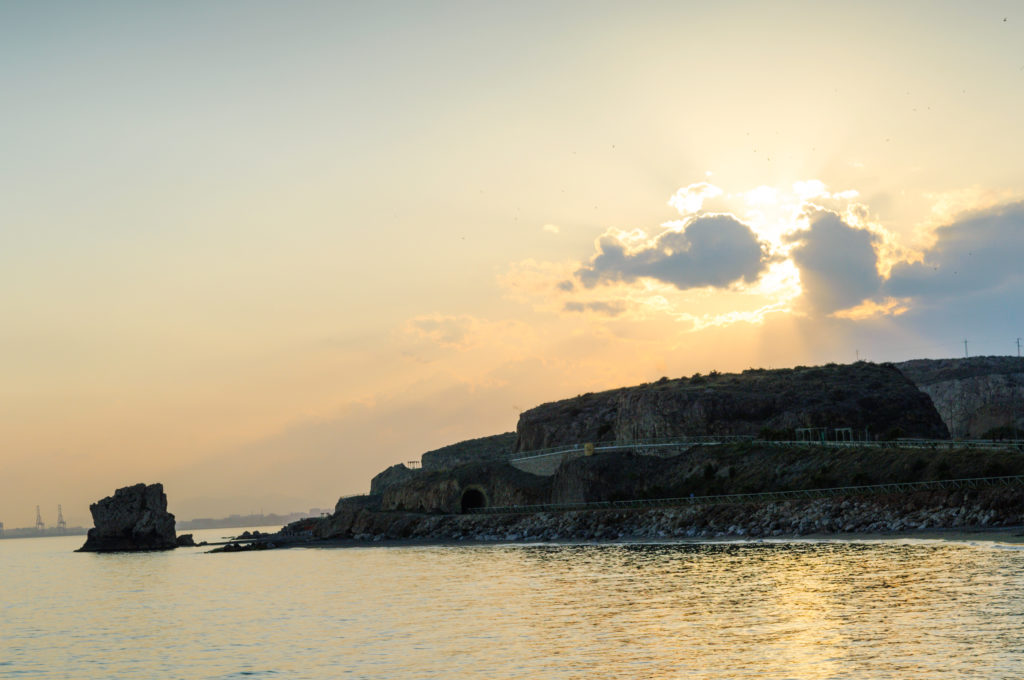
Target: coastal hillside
743 467
876 399
876 402
438 505
977 397
495 447
469 451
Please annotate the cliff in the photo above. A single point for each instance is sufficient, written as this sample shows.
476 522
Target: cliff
876 398
134 518
396 474
977 396
470 451
467 486
483 449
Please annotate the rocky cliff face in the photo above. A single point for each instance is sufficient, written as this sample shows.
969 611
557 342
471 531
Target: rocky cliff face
483 484
134 518
396 474
863 396
495 447
977 396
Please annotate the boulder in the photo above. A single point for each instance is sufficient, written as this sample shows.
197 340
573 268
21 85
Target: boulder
185 541
134 518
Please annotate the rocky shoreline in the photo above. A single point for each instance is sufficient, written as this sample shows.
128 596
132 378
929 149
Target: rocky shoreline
986 509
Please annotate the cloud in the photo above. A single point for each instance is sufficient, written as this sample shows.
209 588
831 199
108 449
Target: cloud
689 200
605 308
871 308
762 195
447 331
551 228
837 263
464 333
567 285
715 250
980 252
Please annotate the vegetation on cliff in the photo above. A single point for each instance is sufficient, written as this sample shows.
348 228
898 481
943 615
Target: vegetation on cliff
930 371
470 451
754 468
876 399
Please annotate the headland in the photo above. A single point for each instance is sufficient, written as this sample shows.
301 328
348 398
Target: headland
858 449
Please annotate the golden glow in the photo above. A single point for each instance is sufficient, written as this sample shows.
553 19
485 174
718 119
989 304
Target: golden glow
869 308
268 253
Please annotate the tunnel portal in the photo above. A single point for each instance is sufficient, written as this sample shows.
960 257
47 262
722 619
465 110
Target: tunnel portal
473 499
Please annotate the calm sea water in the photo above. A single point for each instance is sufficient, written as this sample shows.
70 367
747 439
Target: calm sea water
887 609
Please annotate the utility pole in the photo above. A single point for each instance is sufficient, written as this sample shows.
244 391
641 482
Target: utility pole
965 349
1018 348
1013 408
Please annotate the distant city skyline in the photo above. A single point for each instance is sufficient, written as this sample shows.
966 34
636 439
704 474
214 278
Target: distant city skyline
260 252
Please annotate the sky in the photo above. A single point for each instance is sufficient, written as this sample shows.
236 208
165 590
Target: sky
261 251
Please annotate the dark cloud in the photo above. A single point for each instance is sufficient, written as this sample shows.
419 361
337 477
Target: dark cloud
607 308
567 286
837 262
981 252
716 250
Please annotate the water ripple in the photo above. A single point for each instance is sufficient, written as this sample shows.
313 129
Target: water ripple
776 609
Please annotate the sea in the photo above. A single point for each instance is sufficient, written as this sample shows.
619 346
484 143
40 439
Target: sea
759 609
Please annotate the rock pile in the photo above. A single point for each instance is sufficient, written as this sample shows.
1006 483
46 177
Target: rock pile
134 518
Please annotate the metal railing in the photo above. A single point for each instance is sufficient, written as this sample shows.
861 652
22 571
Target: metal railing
616 445
710 440
767 496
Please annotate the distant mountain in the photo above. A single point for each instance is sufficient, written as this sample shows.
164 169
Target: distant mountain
240 521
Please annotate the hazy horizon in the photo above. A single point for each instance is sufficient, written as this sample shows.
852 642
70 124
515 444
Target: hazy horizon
261 252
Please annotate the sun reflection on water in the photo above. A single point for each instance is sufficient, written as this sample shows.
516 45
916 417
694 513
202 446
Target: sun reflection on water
804 609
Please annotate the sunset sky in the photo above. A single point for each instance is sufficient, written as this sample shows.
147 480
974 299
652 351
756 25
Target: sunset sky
261 251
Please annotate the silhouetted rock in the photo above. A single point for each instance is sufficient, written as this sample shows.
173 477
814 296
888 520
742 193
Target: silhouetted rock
396 474
495 447
185 541
134 518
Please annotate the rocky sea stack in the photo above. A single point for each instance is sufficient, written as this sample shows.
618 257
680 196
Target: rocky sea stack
134 518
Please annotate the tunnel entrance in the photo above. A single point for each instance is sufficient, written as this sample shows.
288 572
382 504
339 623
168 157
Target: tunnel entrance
473 499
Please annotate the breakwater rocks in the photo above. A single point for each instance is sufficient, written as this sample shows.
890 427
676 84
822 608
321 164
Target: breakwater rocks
984 508
134 518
